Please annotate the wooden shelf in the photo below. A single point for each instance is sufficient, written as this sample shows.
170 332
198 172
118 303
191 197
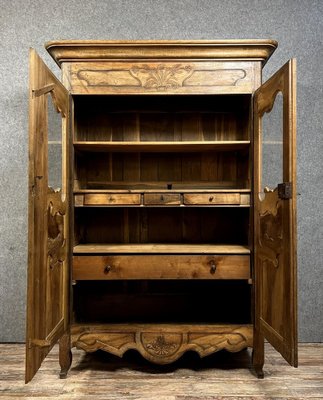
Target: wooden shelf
162 146
151 248
154 186
175 189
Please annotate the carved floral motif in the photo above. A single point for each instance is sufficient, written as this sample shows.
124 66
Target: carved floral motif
55 216
161 347
162 77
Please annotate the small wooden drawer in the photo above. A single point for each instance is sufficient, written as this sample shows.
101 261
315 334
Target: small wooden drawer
162 199
215 198
102 267
99 199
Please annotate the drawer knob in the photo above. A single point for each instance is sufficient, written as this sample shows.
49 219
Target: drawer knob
211 198
212 267
161 198
107 269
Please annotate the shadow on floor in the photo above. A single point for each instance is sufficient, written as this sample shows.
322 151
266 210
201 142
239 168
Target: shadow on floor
222 360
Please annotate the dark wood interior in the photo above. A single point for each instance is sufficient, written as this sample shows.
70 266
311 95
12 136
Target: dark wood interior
161 118
162 225
168 301
173 144
165 141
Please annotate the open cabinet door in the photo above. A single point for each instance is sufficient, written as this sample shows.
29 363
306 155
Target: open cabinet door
275 214
48 220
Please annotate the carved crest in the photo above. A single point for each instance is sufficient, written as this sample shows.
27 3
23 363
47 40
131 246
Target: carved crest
162 77
160 346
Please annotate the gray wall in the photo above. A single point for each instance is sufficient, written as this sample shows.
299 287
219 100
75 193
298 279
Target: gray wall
297 25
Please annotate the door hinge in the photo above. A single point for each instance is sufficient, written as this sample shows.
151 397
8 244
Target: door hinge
39 343
285 190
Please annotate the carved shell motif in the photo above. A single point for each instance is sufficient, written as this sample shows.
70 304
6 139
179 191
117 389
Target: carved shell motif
161 347
162 77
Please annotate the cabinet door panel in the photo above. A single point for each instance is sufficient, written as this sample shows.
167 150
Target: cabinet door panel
48 272
275 218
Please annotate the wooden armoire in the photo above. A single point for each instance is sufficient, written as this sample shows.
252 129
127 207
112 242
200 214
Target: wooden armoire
163 235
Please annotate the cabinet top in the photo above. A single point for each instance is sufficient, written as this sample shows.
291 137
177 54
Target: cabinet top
90 50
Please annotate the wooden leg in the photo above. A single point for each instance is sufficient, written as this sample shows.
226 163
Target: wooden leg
65 355
258 354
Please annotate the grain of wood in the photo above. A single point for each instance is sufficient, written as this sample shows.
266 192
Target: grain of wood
222 376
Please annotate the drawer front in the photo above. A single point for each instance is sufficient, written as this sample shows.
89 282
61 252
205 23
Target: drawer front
162 77
162 199
161 267
107 199
212 198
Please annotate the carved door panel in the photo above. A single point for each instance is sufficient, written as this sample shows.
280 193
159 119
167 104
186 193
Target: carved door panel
48 272
275 213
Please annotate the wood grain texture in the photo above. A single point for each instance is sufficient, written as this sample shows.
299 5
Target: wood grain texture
48 235
111 199
162 199
84 50
161 147
212 198
170 248
122 144
162 77
275 225
161 267
162 344
220 376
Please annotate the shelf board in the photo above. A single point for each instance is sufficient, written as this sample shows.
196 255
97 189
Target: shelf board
175 189
153 186
164 248
159 147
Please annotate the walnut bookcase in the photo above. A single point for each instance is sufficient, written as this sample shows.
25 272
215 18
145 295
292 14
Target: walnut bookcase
162 237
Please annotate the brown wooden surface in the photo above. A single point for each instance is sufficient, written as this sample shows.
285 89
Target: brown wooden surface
189 118
162 77
85 50
162 199
275 225
135 142
221 376
183 188
161 147
162 343
161 267
204 169
212 198
177 226
48 235
111 199
161 248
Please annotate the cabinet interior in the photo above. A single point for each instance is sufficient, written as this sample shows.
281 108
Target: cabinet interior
172 144
162 225
156 124
167 301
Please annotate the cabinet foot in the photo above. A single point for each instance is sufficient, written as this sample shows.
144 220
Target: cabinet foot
258 354
65 355
259 371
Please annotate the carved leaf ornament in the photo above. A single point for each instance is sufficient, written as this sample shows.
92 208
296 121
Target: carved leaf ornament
162 77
